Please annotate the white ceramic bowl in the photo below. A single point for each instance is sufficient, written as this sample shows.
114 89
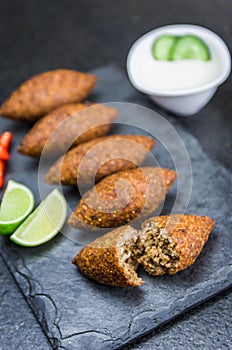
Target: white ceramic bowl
189 101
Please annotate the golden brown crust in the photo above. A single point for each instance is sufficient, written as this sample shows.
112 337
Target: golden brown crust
45 91
67 125
100 260
105 259
34 141
86 163
190 233
119 198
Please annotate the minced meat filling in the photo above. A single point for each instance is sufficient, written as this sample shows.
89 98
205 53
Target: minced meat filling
128 258
154 249
159 254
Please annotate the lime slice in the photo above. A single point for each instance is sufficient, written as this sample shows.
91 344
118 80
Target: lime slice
44 222
163 46
17 203
190 47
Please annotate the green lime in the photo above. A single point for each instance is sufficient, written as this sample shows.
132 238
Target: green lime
17 203
44 222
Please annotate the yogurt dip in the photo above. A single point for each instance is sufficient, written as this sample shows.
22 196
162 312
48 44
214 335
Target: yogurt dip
171 75
181 87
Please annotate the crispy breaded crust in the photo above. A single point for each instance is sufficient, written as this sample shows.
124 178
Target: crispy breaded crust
67 125
113 154
190 233
101 259
34 141
44 91
119 198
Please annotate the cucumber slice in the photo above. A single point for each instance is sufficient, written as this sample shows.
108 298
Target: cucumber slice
162 47
190 47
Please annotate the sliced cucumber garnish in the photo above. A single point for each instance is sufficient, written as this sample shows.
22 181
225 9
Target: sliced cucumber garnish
162 47
190 47
173 48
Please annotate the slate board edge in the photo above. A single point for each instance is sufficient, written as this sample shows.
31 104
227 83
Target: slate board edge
13 273
54 336
221 283
176 312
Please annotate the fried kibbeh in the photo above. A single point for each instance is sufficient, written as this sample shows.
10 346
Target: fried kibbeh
164 245
106 259
120 198
67 126
45 91
89 162
170 244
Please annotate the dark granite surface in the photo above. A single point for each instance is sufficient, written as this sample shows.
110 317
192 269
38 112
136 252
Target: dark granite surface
208 327
103 317
19 328
87 34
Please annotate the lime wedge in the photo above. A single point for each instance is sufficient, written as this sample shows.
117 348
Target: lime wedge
44 222
17 203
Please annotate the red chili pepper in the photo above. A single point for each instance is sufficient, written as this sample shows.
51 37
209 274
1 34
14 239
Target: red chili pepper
5 141
4 155
2 172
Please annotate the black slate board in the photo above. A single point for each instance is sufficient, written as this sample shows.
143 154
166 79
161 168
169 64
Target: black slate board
77 313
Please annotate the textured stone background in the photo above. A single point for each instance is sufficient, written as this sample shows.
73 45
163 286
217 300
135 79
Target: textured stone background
77 313
19 328
206 327
36 36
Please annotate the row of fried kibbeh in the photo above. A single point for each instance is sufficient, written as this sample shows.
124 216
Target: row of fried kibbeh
68 127
54 100
70 123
